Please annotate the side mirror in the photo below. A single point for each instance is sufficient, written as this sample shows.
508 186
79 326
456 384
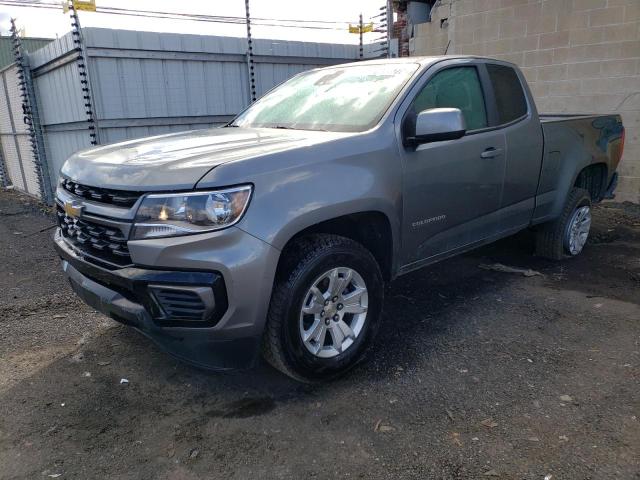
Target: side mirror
438 124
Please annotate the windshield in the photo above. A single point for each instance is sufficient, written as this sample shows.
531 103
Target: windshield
339 99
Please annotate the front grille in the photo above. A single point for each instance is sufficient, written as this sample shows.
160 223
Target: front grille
185 303
104 243
120 198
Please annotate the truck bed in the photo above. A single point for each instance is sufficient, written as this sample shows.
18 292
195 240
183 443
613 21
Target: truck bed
560 117
582 150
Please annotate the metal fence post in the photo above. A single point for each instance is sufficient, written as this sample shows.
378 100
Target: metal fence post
3 172
83 71
14 129
382 45
360 28
389 26
31 117
250 65
4 176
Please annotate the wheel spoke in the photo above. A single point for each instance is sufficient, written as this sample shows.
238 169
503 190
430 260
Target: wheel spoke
319 337
352 301
346 330
585 225
354 309
313 309
354 297
337 336
333 279
317 295
343 282
313 331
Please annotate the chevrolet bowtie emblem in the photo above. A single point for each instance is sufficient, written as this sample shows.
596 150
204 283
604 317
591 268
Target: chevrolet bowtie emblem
73 208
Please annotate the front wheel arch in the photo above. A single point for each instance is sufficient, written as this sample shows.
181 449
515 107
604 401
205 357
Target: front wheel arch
372 229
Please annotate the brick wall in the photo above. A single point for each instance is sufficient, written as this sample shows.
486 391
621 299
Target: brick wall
578 56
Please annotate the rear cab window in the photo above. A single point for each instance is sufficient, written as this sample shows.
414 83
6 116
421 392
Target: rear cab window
511 103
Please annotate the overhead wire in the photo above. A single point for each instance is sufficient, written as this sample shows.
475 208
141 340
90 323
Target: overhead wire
258 21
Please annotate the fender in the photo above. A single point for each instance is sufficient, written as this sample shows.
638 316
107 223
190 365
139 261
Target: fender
571 145
297 189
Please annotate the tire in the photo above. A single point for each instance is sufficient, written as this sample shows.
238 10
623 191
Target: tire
552 238
307 263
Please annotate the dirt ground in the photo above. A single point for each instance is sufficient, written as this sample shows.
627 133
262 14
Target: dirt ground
477 374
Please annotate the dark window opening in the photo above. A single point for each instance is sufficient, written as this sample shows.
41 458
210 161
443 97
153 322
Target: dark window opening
510 100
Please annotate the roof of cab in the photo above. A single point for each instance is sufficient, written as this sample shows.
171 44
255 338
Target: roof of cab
419 60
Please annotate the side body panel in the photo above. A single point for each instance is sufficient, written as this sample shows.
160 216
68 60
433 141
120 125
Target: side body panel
451 194
570 145
454 198
522 169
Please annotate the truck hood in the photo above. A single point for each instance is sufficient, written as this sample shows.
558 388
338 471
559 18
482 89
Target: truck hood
177 161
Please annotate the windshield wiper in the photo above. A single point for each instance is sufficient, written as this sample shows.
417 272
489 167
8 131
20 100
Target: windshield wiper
284 127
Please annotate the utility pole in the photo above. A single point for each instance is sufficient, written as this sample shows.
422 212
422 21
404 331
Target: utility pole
361 29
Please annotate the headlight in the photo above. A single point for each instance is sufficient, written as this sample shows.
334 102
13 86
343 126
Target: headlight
169 215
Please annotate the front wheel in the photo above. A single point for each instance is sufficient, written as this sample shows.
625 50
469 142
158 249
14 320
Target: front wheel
567 235
325 308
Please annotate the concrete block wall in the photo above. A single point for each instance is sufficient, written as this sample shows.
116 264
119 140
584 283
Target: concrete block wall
579 56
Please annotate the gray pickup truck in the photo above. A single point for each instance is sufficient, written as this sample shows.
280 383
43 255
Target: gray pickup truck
276 233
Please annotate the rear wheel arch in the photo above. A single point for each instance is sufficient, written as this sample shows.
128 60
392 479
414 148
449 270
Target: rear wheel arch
581 175
593 179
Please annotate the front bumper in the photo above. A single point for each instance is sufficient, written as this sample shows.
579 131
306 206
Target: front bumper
240 277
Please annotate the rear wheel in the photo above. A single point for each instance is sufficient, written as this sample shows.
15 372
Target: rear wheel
325 308
567 235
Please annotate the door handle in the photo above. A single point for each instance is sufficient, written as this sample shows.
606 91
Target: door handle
491 152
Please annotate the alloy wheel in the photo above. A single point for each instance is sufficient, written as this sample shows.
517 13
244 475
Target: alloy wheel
334 312
578 230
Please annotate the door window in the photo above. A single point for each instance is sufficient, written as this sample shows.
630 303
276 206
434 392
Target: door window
457 87
510 100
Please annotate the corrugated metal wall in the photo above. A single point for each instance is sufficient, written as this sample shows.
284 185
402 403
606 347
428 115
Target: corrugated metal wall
59 95
28 44
146 83
19 162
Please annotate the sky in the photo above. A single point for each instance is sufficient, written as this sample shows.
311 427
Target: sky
40 22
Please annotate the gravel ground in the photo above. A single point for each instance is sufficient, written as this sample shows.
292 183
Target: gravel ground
477 374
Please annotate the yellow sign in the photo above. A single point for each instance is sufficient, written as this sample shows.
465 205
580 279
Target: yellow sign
365 28
84 5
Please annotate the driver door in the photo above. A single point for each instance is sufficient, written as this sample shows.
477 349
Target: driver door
452 188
